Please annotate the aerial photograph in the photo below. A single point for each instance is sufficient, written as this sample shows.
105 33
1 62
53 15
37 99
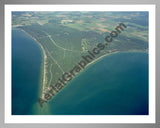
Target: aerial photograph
80 63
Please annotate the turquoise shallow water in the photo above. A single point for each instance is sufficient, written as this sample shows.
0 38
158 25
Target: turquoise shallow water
115 85
26 63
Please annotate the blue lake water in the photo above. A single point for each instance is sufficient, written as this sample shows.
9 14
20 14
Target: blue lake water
115 85
26 64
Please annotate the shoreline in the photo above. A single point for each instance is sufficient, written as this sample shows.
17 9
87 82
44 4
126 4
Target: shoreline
43 68
96 60
116 52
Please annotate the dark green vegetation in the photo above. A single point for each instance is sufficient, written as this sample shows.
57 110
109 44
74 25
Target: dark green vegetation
66 36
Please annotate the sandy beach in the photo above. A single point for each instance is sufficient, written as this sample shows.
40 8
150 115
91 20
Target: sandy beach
44 68
44 64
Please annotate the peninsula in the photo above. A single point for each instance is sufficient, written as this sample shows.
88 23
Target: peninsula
65 37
